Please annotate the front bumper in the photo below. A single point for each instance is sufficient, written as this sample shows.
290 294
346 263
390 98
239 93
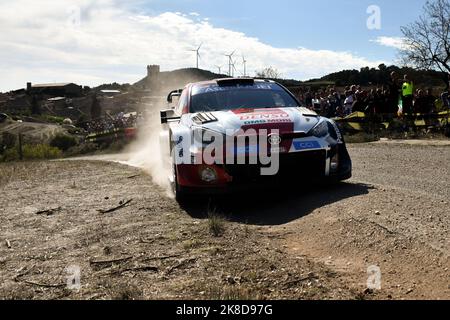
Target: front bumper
294 168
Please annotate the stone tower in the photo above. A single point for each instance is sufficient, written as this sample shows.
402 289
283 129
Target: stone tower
153 81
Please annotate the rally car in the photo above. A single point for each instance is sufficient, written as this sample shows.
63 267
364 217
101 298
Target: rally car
212 116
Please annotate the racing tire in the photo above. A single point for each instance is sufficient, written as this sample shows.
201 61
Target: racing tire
177 190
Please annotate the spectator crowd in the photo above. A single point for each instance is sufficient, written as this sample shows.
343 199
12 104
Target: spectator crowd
396 98
120 121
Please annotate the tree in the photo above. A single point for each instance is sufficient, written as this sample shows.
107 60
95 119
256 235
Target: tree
427 41
268 73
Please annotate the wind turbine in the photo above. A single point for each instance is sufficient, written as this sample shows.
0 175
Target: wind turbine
244 62
230 62
233 67
197 51
219 68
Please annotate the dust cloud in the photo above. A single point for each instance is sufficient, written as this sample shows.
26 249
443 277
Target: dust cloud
147 153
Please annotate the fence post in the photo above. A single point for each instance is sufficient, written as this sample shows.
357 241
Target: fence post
20 147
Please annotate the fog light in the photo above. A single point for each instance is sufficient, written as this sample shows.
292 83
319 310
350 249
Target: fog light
334 165
208 175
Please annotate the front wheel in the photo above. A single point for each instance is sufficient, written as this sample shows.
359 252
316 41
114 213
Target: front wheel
177 190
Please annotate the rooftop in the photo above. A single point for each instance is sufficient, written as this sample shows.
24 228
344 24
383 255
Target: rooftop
50 85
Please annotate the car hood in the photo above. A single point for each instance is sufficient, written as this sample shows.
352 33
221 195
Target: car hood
283 119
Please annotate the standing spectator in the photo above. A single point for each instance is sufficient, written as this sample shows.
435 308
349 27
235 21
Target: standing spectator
407 102
301 97
420 105
407 95
359 104
333 105
371 103
316 105
308 98
348 103
430 102
379 101
446 104
392 96
446 99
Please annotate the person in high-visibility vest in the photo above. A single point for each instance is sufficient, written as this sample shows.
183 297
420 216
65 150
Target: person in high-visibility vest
407 102
407 95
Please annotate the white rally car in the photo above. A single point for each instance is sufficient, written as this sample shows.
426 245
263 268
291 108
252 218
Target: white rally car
212 117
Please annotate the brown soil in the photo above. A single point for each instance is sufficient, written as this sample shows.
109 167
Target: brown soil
310 243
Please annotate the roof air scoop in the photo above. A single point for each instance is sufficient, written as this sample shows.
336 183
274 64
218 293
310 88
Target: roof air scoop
204 117
227 82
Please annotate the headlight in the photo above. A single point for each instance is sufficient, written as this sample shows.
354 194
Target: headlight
321 130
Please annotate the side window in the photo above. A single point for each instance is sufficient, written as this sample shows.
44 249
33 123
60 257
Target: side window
183 102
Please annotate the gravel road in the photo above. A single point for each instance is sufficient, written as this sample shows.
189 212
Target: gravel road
310 243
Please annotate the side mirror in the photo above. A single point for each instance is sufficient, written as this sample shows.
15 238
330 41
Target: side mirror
174 93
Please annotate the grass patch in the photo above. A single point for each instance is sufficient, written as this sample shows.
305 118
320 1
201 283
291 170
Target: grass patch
52 119
191 244
32 152
216 223
122 290
361 138
221 292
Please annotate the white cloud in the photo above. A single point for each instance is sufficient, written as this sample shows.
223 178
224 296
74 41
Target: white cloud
42 41
393 42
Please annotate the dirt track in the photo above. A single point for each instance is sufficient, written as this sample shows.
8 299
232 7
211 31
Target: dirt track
305 244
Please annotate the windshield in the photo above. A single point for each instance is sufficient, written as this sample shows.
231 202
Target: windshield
258 96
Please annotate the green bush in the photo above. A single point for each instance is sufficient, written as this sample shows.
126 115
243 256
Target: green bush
10 154
63 142
32 152
40 151
53 119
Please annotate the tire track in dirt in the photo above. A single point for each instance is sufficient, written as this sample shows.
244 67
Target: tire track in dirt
401 225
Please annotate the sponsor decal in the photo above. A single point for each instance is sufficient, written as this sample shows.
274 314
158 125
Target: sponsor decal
273 115
306 145
209 88
254 122
257 122
280 121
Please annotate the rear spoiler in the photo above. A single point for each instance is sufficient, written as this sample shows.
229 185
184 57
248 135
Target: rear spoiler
168 116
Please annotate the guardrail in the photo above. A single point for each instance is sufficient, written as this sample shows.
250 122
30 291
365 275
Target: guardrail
113 134
360 121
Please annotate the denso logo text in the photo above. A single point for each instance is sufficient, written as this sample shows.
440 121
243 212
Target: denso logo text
265 116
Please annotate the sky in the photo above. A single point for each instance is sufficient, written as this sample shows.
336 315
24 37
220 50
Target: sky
91 42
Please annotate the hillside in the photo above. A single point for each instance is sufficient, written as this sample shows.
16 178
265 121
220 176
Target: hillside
171 80
371 76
